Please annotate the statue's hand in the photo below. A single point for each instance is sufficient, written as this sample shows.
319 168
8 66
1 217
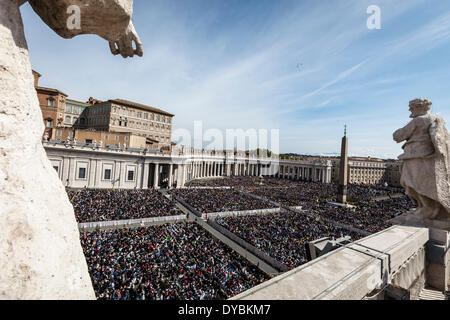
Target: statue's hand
124 45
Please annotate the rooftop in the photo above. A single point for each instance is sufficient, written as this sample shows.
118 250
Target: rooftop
140 106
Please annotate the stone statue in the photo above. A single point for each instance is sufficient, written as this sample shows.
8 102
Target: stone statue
425 167
40 252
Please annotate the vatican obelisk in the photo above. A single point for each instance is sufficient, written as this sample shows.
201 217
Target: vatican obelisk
343 170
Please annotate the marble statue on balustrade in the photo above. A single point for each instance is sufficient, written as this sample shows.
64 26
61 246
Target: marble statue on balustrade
40 251
425 166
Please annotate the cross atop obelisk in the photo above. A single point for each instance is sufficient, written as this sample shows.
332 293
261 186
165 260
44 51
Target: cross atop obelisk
343 170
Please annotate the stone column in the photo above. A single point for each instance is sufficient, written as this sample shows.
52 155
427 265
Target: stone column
92 167
122 174
179 176
72 171
66 171
438 260
156 177
170 175
183 176
145 176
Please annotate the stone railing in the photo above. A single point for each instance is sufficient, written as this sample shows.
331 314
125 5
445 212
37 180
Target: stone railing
215 215
131 223
211 155
355 271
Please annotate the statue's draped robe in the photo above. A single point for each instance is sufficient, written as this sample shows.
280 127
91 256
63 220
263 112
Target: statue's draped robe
426 158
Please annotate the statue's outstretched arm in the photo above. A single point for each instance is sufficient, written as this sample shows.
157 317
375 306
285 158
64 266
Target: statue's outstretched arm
110 19
405 132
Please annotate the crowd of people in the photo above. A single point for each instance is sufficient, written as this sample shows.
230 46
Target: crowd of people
368 215
183 261
175 261
283 235
219 200
105 205
296 194
358 192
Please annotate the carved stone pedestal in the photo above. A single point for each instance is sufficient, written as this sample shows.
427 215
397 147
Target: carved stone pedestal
437 249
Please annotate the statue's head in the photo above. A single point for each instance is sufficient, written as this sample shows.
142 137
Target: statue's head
419 107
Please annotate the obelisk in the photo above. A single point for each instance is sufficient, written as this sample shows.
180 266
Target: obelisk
343 170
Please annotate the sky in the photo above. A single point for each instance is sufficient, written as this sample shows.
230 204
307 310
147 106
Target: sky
305 67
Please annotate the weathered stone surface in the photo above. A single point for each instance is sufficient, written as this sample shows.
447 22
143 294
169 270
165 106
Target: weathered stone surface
40 252
351 272
110 19
426 165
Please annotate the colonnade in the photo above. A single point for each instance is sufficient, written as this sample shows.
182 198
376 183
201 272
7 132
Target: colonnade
315 173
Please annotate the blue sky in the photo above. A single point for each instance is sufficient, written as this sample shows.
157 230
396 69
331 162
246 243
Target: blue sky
304 67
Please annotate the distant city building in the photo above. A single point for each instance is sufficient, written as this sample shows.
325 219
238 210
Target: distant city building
106 138
361 170
52 103
108 122
74 113
370 171
126 116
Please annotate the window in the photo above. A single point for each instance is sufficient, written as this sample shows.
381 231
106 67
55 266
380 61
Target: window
48 123
81 173
146 116
51 102
107 174
68 119
106 137
130 175
117 138
126 138
139 114
71 134
58 133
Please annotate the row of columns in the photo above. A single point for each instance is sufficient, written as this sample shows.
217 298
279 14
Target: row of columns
206 169
210 169
306 173
175 175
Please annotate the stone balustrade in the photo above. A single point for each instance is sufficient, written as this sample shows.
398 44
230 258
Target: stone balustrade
355 271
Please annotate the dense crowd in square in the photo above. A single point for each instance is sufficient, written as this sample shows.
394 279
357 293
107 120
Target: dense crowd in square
106 205
368 215
283 235
183 261
175 261
219 200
